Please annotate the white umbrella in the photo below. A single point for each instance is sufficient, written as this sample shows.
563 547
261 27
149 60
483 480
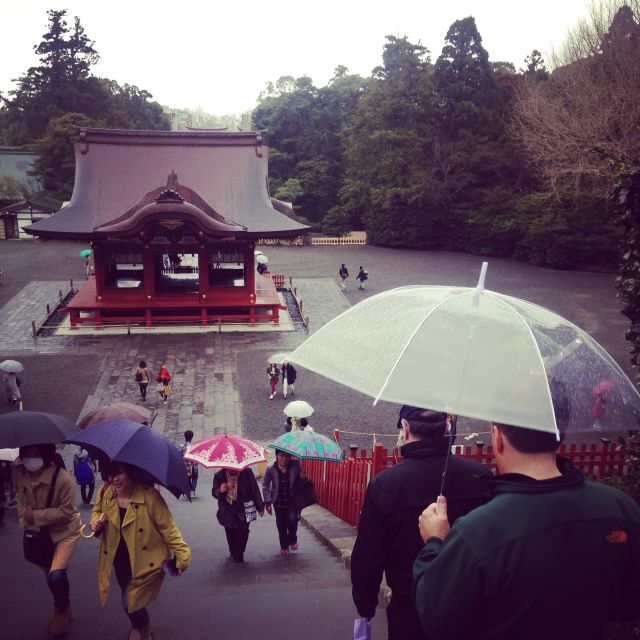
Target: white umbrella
257 253
9 455
474 353
11 366
262 259
278 357
298 409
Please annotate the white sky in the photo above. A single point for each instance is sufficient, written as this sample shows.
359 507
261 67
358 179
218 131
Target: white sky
219 56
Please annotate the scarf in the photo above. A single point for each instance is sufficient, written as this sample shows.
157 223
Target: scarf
232 486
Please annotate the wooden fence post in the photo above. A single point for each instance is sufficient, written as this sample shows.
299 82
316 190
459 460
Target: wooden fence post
376 460
336 435
604 450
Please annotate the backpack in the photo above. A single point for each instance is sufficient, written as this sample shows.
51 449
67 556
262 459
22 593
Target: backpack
84 471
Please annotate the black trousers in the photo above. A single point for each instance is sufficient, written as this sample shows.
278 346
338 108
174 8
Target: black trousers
86 496
287 523
237 540
122 566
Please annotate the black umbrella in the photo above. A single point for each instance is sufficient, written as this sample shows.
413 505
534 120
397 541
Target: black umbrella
23 428
139 445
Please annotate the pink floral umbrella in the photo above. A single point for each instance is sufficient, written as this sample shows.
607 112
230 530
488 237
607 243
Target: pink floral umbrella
230 452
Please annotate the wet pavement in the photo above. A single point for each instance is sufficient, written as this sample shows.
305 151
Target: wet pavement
220 384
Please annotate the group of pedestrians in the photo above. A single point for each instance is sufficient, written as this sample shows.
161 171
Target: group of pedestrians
163 379
240 503
343 274
288 373
535 551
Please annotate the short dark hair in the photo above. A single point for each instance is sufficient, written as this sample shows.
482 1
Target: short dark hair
47 452
188 435
143 364
424 430
530 440
303 422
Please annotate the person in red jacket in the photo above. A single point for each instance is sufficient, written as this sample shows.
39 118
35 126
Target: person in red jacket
164 378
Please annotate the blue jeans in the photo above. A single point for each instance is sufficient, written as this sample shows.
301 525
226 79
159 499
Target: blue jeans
287 523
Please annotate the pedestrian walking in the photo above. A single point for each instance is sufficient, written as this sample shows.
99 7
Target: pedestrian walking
47 512
163 379
277 488
142 378
343 273
239 503
362 276
289 375
138 537
191 467
12 386
84 470
388 539
481 578
273 374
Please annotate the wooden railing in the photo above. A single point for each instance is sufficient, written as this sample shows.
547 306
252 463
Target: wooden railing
340 488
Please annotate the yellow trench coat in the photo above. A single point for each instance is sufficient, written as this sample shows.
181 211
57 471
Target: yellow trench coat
151 536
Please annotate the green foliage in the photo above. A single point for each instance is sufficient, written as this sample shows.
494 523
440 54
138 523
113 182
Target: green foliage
61 92
336 223
626 199
55 165
290 191
12 190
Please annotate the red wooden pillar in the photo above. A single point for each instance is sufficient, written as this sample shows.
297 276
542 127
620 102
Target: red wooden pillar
376 460
149 270
250 269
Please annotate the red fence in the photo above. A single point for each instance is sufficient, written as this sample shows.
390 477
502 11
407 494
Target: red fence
340 488
278 279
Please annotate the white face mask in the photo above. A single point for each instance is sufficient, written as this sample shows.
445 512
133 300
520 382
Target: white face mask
33 464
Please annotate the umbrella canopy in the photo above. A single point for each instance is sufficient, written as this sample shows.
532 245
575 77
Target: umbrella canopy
117 411
85 252
11 366
257 252
24 428
278 357
308 445
262 259
139 445
230 452
474 353
298 409
9 455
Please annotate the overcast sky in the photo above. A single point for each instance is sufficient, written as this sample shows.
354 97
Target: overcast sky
220 55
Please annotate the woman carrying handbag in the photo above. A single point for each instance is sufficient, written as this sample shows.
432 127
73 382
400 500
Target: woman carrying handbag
47 511
239 502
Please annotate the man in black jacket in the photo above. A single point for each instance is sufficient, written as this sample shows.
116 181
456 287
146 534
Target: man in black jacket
551 556
388 536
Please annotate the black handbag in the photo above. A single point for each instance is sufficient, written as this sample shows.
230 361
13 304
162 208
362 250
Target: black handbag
37 546
303 494
138 377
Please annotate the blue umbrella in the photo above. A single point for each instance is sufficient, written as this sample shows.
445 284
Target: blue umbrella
139 445
24 428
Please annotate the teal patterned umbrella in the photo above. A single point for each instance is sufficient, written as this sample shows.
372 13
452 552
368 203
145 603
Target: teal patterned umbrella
308 445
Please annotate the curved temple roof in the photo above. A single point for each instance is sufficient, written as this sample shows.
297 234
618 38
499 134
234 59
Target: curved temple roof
223 175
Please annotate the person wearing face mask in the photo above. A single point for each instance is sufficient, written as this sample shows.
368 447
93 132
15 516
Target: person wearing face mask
46 504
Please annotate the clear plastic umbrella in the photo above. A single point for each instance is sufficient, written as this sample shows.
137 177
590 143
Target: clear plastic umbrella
262 259
11 366
475 353
278 357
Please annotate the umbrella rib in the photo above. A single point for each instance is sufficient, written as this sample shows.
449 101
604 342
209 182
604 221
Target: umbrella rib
506 302
409 341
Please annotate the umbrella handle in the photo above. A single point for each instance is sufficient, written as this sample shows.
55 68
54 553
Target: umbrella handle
88 536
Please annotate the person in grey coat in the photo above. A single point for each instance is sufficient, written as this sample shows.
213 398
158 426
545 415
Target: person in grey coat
13 390
277 488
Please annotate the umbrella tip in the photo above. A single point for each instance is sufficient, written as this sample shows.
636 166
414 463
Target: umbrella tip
483 274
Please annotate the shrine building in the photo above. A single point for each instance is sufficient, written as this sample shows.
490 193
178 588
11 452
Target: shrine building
172 219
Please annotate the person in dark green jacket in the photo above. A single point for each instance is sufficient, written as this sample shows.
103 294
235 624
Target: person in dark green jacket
551 556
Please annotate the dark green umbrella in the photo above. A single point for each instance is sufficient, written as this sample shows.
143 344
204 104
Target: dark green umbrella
23 428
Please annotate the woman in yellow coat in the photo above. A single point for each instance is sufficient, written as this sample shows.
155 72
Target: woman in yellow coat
138 536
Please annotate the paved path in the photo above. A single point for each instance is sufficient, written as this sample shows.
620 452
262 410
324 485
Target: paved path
220 385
